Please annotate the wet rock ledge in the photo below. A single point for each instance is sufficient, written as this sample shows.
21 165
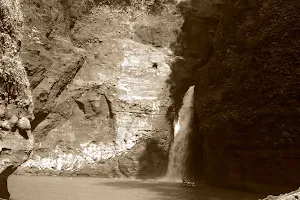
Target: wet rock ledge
16 107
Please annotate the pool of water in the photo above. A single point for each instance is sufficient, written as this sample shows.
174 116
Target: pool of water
83 188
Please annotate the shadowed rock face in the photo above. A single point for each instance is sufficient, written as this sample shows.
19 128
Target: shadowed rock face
16 108
193 49
247 97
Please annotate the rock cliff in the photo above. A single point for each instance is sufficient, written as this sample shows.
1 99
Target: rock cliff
108 78
99 75
247 97
16 107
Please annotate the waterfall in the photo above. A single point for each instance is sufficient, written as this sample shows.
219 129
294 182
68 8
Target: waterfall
177 167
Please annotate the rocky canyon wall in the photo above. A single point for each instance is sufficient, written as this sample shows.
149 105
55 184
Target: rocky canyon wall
16 107
247 97
99 74
193 49
108 79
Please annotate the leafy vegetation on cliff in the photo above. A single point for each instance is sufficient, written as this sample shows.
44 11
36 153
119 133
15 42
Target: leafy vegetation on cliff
248 95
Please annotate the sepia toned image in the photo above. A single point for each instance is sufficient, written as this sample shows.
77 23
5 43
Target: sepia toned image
149 99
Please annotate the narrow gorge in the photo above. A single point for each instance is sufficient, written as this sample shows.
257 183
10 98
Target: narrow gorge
114 89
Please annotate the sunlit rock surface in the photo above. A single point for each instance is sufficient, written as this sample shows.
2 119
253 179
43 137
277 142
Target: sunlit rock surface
16 107
99 75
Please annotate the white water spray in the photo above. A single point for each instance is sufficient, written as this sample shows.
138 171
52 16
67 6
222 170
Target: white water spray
182 130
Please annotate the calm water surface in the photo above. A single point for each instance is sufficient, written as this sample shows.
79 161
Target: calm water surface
82 188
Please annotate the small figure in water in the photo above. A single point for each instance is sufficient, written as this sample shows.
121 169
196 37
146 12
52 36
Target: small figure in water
187 183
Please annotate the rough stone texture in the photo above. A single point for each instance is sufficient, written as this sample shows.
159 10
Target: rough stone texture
247 97
108 79
16 107
99 80
290 196
193 49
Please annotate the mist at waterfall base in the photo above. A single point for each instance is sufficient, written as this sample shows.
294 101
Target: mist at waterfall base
183 130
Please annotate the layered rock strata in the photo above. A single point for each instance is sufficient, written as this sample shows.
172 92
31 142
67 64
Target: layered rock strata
16 107
99 78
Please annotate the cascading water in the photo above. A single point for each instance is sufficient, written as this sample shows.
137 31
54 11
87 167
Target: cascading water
177 167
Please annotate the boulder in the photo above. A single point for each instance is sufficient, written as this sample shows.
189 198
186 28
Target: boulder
24 123
13 120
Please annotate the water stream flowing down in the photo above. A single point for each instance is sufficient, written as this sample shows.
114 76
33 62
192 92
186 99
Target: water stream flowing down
177 167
